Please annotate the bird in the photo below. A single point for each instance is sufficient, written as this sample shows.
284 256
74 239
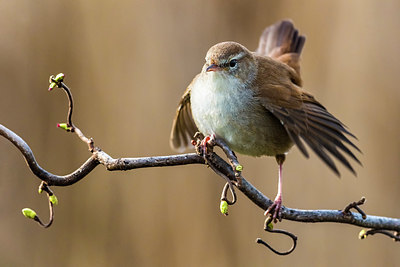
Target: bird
255 103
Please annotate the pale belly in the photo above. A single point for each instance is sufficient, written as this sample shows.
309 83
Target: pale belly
238 118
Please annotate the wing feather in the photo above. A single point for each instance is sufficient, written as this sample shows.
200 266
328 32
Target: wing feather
183 127
321 131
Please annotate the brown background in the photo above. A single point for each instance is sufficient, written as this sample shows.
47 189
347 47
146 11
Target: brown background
128 63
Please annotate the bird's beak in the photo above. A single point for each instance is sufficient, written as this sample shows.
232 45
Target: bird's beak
213 67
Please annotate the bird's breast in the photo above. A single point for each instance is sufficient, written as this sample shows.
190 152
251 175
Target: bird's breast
225 106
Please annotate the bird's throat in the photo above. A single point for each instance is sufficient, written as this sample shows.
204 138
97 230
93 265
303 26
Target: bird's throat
217 100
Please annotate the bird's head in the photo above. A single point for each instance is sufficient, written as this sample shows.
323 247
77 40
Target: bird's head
231 59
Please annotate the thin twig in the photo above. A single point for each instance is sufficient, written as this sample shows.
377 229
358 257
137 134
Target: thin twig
269 228
52 201
355 205
224 194
283 232
71 127
395 236
46 225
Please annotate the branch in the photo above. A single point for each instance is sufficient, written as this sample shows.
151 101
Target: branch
119 164
229 171
42 174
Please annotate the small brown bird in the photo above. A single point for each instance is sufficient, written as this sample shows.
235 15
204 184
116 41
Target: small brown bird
254 102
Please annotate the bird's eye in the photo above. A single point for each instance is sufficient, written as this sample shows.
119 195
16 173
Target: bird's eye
233 63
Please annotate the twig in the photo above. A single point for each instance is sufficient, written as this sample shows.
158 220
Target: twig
395 236
355 205
52 199
224 193
269 228
59 81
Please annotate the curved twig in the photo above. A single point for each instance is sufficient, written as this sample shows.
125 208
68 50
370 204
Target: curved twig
46 225
283 232
49 178
71 127
29 213
268 226
51 209
225 191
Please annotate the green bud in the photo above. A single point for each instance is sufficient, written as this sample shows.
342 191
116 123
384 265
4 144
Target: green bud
53 199
29 213
362 234
224 207
40 190
270 226
239 168
59 77
64 126
52 85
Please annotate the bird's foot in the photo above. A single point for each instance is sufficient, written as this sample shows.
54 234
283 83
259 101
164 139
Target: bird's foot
204 146
275 210
207 144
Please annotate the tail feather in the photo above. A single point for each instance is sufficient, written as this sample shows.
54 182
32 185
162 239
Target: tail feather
280 38
282 42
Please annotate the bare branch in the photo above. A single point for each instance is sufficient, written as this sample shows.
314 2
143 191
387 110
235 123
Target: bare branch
125 164
100 157
230 172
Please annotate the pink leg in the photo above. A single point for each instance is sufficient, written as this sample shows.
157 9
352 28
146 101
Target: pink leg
276 208
209 139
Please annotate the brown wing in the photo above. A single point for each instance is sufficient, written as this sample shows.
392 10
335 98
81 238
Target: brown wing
183 127
303 117
282 42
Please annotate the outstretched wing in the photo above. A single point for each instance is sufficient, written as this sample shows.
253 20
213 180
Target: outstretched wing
303 117
183 127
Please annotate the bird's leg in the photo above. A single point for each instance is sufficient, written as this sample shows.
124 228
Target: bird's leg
275 210
208 140
206 143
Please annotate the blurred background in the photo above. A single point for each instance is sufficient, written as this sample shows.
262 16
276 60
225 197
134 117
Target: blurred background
128 63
